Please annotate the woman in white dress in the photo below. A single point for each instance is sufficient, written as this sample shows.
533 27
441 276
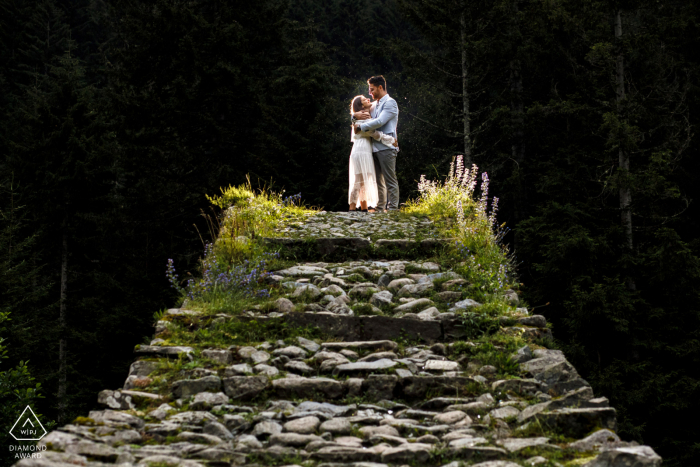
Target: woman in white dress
362 190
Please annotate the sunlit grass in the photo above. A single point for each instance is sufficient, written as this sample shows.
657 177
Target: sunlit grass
482 257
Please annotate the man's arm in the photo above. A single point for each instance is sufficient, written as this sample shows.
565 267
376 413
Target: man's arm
389 111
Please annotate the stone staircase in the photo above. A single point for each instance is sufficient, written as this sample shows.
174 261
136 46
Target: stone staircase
393 380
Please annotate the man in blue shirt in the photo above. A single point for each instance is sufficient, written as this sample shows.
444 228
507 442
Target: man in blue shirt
384 118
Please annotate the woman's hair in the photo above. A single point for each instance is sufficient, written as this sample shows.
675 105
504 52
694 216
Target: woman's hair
356 104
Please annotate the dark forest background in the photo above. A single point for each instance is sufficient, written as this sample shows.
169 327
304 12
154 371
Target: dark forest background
117 117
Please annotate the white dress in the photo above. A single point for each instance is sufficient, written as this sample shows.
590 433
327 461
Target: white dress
363 178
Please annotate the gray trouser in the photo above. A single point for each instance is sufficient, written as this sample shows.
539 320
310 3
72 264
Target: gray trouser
385 166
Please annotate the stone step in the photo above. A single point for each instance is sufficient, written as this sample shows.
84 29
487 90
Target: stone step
344 248
351 328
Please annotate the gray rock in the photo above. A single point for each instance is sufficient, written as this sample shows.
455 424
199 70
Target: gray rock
193 437
577 422
439 403
373 357
236 422
519 386
198 417
266 428
452 417
396 284
161 412
360 345
187 388
293 439
284 305
504 412
441 365
465 304
169 351
415 290
428 439
379 387
368 431
537 321
339 307
301 368
345 454
361 367
382 298
364 290
427 266
142 368
134 382
218 430
238 370
291 351
598 441
247 442
309 345
429 314
385 280
96 451
218 355
410 452
304 425
245 387
511 296
252 355
472 408
114 400
207 400
296 271
336 426
523 355
332 410
415 305
551 368
307 290
334 289
637 456
306 387
266 370
517 444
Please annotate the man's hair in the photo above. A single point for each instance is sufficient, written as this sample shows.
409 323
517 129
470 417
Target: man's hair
377 81
356 104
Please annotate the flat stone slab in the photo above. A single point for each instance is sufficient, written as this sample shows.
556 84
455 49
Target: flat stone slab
576 423
162 351
363 367
441 365
362 345
307 387
516 444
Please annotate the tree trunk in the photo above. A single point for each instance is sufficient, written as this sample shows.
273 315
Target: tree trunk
62 360
517 116
465 92
623 156
517 111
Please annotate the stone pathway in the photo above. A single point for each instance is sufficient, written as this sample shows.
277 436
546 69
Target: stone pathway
372 226
391 385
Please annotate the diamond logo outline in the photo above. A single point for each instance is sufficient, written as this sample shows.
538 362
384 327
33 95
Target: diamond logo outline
36 419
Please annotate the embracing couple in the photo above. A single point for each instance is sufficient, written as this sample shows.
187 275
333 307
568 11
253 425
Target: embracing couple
375 145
